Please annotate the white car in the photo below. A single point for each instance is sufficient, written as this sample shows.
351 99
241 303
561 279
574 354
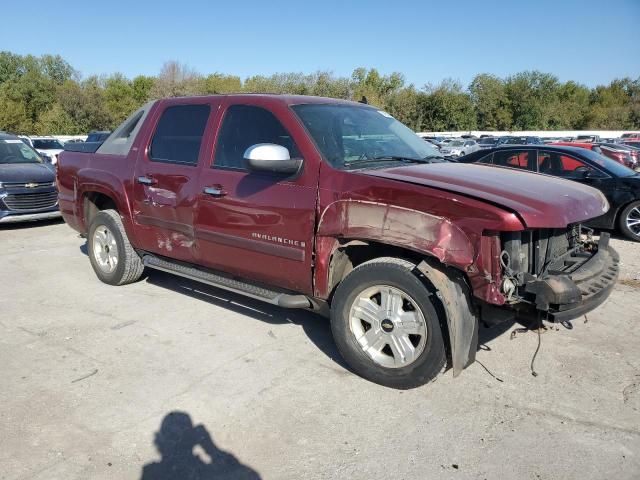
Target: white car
458 148
47 147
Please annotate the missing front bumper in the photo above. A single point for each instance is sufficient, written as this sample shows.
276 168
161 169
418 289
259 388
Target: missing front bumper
567 296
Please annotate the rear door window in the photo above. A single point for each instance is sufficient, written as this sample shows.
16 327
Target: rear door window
513 159
178 135
488 159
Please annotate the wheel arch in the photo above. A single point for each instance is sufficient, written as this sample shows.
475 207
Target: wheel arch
95 198
384 230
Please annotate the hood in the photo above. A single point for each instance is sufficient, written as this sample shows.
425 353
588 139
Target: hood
25 173
541 201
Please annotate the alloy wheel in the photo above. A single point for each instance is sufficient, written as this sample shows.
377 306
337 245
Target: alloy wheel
388 325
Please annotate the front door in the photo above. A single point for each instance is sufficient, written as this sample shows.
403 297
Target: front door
166 180
254 225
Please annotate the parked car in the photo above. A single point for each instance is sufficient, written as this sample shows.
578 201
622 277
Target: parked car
634 153
521 140
619 184
336 207
457 148
632 143
588 138
628 136
620 156
48 147
487 142
27 184
98 136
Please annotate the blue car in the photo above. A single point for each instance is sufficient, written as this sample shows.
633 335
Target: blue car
27 184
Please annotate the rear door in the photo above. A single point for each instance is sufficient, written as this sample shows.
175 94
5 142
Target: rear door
165 183
258 225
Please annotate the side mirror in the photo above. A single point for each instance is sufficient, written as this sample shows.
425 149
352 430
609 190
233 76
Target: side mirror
269 157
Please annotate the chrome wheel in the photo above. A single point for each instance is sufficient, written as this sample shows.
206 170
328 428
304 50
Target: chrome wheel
633 220
105 249
388 325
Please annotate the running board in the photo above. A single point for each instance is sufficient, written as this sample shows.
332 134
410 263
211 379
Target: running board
237 286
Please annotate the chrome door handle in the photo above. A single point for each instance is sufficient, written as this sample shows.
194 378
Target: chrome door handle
214 191
146 181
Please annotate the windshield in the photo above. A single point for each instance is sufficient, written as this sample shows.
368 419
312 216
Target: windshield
350 136
16 151
455 143
607 163
487 141
48 144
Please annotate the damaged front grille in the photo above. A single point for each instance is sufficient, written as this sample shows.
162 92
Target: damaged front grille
538 254
541 251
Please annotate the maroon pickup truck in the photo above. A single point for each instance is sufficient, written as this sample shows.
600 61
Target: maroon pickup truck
337 207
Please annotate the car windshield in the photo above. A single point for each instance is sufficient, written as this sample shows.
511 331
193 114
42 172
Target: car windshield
516 141
455 143
351 136
487 141
47 144
16 151
613 167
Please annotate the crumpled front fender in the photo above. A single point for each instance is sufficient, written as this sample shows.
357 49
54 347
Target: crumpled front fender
462 322
403 227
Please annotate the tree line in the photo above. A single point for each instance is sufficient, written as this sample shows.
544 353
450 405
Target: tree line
46 95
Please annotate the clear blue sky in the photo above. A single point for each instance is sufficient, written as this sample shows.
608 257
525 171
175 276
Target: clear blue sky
584 40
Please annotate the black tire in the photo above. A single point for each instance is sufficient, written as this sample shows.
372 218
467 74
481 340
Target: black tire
395 273
622 220
129 266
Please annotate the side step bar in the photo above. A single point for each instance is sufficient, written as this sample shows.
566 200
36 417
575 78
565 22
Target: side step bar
237 286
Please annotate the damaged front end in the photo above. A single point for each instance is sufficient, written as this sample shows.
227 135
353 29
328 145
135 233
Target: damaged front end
561 273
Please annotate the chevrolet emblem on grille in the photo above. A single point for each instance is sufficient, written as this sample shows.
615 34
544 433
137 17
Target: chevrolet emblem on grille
30 185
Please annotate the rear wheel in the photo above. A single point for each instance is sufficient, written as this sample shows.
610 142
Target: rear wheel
111 254
385 325
629 222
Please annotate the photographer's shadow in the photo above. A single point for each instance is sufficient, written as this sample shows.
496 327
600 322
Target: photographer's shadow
176 441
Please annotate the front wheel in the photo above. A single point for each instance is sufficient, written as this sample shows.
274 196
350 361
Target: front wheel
630 221
385 325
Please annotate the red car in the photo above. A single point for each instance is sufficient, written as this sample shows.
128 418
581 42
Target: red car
619 155
336 207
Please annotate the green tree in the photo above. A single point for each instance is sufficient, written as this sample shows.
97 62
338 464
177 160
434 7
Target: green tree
531 96
56 121
119 98
142 86
490 102
446 107
219 83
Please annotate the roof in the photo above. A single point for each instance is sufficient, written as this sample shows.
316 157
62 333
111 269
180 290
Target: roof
567 148
8 136
277 98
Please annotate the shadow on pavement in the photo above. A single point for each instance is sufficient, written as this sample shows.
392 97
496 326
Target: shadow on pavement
176 441
317 328
31 225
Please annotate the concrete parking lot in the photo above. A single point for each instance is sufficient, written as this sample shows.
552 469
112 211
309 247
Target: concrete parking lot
167 378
